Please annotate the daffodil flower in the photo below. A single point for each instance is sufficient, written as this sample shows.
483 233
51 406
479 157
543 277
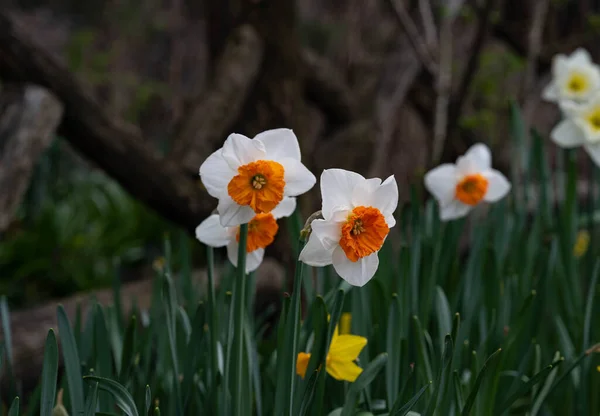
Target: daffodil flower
581 127
261 233
252 176
357 216
340 364
574 78
459 187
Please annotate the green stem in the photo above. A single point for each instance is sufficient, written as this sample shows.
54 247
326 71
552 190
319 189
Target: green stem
213 315
293 325
238 344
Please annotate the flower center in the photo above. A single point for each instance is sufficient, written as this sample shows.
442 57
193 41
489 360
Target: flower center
259 185
594 119
363 232
471 189
577 83
261 232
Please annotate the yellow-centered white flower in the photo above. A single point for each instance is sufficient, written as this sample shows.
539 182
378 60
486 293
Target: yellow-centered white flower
459 187
357 215
574 78
581 127
252 176
261 233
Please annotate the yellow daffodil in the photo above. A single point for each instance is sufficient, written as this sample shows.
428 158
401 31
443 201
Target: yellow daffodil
340 364
357 216
459 187
253 176
581 243
261 233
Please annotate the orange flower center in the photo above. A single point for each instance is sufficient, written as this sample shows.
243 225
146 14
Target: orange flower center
261 232
471 189
258 184
363 232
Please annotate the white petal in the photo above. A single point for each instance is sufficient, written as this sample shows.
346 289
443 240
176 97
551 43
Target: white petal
441 182
231 213
298 179
479 158
285 208
550 93
328 232
362 194
453 210
212 233
215 174
356 273
385 198
337 186
594 152
314 254
567 134
560 66
580 57
239 150
254 259
279 144
498 186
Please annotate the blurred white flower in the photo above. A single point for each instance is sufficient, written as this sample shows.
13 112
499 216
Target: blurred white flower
581 127
574 78
262 229
459 187
252 176
357 215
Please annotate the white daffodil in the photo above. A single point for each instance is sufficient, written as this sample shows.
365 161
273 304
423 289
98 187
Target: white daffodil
262 229
459 187
252 176
357 216
581 127
574 78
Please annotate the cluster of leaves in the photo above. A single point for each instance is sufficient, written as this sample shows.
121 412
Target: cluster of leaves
504 327
72 236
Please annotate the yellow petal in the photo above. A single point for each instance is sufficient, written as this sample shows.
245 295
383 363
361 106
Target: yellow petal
346 347
582 243
302 363
343 370
345 323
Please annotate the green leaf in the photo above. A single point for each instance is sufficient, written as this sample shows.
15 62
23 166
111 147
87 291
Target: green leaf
394 349
443 376
92 401
239 311
14 407
537 405
71 361
170 308
473 394
49 375
365 378
403 411
525 387
129 349
121 395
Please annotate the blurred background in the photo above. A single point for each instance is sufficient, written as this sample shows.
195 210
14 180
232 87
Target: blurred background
108 108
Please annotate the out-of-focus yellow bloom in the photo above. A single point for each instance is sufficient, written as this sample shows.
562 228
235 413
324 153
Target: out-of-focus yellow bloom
598 368
345 323
343 352
581 243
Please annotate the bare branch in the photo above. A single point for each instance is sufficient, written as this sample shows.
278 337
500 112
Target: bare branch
443 89
112 144
326 87
431 37
214 114
412 33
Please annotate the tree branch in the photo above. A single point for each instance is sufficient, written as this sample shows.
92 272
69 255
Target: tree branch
114 146
216 112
